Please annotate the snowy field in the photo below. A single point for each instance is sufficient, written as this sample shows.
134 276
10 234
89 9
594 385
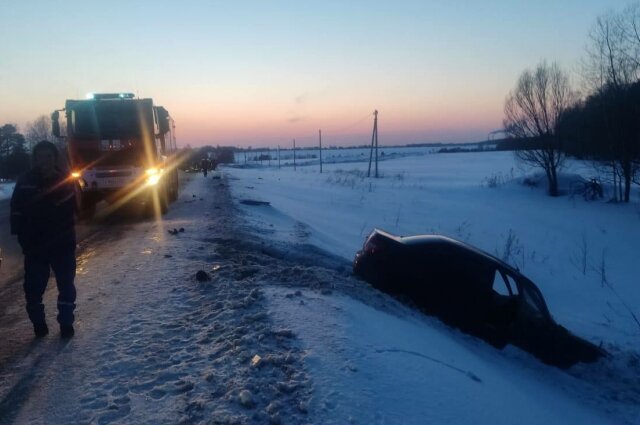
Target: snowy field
308 156
582 255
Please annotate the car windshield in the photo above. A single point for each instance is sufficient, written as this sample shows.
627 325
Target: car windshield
533 302
106 120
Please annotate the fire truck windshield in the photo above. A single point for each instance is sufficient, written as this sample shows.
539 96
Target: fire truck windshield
107 119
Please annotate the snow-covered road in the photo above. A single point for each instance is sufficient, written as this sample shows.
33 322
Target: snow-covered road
154 345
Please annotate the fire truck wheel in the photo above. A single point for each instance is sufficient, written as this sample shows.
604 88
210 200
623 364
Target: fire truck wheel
173 192
163 196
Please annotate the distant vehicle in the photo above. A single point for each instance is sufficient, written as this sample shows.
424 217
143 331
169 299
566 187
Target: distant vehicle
472 290
121 149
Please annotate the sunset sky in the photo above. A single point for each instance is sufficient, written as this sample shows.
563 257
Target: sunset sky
264 72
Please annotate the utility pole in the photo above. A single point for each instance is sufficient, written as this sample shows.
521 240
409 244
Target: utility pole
294 154
320 137
374 143
375 131
278 157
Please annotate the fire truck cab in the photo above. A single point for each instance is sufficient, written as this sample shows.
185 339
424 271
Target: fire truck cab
121 150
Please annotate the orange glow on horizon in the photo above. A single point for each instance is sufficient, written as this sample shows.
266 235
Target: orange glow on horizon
247 129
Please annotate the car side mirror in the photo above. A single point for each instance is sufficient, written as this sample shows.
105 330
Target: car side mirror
55 124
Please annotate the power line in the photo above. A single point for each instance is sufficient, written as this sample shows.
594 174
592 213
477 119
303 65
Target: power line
350 126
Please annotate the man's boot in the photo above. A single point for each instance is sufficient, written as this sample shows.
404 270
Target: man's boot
66 331
65 318
40 329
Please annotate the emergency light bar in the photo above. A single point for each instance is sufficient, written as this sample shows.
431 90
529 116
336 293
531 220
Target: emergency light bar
102 96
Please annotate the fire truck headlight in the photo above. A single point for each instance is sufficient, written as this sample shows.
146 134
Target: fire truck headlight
153 176
153 179
75 175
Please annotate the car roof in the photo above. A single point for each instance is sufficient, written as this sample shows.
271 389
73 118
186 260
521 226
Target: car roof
435 239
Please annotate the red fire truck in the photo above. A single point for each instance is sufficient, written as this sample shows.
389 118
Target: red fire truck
121 149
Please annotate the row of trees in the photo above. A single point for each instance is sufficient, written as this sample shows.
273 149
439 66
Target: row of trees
551 120
14 158
15 147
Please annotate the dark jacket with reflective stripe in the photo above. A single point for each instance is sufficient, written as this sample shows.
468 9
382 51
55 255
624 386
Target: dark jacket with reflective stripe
42 213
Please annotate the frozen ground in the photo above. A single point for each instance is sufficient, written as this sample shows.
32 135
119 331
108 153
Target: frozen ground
282 333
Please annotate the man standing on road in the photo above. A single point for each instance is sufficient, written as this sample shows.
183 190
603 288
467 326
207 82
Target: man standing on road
42 215
204 166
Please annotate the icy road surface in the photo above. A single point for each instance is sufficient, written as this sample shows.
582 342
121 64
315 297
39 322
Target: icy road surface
152 344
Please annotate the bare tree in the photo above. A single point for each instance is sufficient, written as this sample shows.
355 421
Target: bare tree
532 112
611 70
39 129
630 22
613 51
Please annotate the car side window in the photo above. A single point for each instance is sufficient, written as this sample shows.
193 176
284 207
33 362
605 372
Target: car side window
534 303
504 284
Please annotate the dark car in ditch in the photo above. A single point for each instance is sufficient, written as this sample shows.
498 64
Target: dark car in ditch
471 290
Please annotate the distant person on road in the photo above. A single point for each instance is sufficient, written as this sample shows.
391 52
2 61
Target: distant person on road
42 216
204 165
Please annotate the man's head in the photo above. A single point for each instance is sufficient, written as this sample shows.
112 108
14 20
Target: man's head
45 157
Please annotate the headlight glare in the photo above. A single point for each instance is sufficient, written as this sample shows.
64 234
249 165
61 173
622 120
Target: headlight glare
153 179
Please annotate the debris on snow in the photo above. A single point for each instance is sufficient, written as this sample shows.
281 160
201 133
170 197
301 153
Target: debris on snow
254 202
246 399
285 333
256 361
202 276
273 407
275 419
286 387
